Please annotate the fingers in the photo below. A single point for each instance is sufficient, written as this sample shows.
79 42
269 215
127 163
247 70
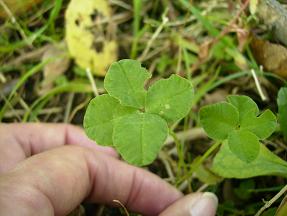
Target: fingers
56 181
197 204
19 141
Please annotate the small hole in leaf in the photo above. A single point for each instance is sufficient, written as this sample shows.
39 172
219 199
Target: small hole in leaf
77 22
94 15
98 46
105 29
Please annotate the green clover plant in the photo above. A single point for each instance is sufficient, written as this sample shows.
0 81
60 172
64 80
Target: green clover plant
282 110
132 119
239 126
237 121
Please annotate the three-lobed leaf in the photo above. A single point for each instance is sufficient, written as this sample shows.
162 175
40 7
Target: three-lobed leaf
138 137
170 98
101 114
282 110
218 120
239 123
228 165
125 81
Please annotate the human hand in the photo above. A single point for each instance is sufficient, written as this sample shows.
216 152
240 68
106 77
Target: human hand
49 169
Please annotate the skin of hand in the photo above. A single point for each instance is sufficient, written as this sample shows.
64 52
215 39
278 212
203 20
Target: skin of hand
49 169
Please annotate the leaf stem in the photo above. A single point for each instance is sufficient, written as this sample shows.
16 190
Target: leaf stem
198 161
180 150
207 154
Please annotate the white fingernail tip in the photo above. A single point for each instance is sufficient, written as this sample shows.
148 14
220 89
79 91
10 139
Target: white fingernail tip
211 196
206 205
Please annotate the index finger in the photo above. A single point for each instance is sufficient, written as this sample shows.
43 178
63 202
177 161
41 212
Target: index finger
19 141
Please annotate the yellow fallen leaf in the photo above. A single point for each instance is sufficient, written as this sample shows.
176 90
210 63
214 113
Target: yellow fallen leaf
90 35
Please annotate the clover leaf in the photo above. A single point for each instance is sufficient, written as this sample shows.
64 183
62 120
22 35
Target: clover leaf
245 144
170 98
263 126
100 117
238 122
139 137
125 81
219 119
245 106
131 119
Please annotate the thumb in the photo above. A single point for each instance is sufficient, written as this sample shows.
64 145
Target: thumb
197 204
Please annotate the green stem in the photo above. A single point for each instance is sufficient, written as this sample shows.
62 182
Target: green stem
197 163
180 151
205 156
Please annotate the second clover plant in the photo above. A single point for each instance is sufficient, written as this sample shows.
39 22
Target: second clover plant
240 128
133 120
238 121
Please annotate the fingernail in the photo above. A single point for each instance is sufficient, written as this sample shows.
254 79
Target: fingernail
206 205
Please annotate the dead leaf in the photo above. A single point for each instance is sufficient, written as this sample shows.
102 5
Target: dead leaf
90 35
273 57
60 61
17 7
